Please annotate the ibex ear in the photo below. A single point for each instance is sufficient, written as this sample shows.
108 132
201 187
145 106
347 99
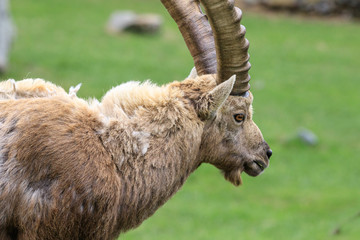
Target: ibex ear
219 94
216 98
193 74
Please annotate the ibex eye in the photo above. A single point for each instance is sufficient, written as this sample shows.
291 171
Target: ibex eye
239 117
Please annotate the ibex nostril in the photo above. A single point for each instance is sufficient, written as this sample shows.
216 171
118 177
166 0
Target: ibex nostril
268 153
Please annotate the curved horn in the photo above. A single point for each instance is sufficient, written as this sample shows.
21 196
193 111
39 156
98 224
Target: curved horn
227 52
231 44
196 32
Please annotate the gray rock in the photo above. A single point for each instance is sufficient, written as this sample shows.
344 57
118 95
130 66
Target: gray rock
7 34
324 7
349 8
279 3
121 21
147 23
307 136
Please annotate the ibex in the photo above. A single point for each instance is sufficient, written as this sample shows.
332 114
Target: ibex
76 169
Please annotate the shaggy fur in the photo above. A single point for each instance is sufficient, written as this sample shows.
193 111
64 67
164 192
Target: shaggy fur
76 169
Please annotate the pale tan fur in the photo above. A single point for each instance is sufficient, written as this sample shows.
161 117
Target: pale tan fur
28 88
76 169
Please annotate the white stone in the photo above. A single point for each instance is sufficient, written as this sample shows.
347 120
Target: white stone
7 34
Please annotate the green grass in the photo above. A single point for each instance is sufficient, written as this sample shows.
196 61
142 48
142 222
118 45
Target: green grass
306 73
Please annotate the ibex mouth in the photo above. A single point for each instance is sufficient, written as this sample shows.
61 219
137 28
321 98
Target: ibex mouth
260 164
255 167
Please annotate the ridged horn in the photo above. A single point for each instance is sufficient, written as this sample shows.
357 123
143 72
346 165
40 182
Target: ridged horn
196 31
221 48
231 44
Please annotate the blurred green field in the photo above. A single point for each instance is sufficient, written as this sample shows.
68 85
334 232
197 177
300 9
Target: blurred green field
306 73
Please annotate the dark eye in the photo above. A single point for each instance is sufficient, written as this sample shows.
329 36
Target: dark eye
239 117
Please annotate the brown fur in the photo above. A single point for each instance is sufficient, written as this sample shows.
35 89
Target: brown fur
71 169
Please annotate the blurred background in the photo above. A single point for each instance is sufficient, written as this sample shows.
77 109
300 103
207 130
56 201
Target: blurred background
305 57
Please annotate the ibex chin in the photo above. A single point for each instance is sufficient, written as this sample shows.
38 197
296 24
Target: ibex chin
76 169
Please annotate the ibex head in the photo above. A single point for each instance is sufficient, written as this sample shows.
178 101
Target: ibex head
231 140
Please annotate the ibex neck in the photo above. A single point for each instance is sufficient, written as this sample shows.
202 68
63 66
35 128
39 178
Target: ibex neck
153 162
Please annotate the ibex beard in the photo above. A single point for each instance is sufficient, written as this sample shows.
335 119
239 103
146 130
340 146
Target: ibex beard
71 168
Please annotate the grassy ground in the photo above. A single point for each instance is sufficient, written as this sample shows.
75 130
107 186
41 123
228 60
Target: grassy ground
305 74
